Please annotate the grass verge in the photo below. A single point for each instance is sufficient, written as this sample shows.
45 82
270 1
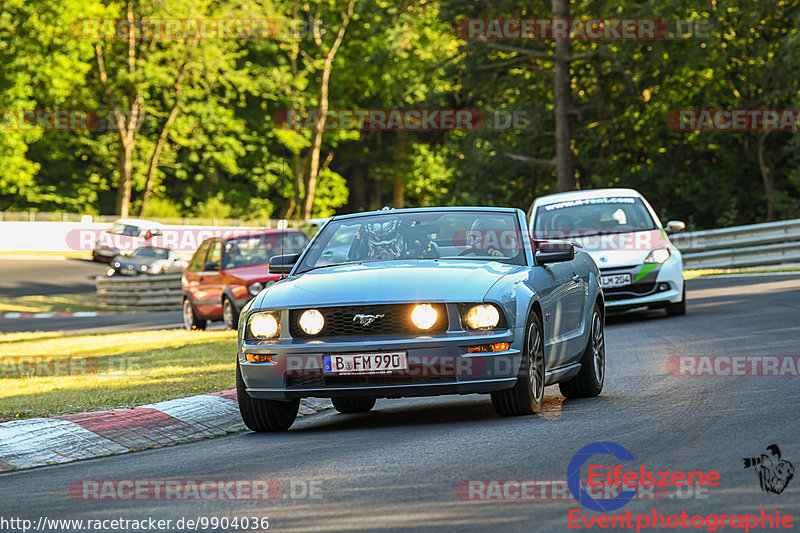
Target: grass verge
58 303
46 374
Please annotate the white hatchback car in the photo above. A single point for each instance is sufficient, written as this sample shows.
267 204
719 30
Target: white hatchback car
639 265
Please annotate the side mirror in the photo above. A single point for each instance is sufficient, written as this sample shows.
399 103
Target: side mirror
675 226
554 253
282 264
211 266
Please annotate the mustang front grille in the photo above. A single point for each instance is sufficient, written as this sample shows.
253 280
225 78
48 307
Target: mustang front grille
356 320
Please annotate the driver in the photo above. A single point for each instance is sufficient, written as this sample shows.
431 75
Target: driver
489 236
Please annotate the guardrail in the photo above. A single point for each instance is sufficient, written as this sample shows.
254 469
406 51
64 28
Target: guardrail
756 245
140 293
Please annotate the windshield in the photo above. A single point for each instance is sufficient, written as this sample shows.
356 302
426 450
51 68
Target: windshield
251 250
149 252
463 235
592 216
124 229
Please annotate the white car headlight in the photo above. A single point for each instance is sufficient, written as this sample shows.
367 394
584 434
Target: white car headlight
659 255
482 316
264 325
312 321
143 268
424 316
255 288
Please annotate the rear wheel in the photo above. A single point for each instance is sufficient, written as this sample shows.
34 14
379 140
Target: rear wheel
679 308
589 381
353 405
264 415
190 319
229 314
527 396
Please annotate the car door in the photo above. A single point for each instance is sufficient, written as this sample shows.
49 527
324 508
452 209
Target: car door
194 270
209 283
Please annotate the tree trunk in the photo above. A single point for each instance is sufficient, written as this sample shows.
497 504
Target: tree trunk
316 145
565 159
766 176
357 189
400 169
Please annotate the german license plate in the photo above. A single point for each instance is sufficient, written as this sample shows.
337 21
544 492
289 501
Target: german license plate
366 363
616 280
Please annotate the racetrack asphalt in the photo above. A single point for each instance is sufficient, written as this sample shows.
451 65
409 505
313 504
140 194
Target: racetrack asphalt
37 276
397 468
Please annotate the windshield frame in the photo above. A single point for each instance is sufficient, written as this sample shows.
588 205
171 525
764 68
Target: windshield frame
520 259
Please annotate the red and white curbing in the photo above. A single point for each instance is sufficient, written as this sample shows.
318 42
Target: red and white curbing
60 314
65 438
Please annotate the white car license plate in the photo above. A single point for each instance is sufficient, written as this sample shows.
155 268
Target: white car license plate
366 363
616 280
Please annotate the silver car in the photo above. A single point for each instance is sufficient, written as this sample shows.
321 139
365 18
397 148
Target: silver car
419 302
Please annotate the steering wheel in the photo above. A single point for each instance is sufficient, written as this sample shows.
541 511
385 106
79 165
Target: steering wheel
468 251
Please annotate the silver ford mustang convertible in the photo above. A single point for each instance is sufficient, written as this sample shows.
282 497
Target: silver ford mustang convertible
421 302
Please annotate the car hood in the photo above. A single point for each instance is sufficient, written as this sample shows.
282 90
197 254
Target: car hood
135 261
623 249
388 282
252 273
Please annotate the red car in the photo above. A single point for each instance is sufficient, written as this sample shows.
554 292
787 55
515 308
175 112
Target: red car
227 272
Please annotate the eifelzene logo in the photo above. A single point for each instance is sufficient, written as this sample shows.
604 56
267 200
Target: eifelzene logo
774 473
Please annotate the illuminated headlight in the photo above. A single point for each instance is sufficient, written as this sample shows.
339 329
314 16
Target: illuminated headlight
143 268
264 325
116 264
424 316
659 255
255 288
482 316
110 272
312 321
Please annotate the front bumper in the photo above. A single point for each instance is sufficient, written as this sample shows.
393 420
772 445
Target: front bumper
437 365
658 288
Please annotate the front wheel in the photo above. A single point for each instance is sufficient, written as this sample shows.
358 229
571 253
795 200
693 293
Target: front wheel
678 309
527 396
229 314
190 319
589 381
353 405
264 415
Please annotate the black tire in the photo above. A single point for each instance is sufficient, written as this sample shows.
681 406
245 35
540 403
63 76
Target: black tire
264 415
527 395
678 309
353 405
190 319
590 379
230 316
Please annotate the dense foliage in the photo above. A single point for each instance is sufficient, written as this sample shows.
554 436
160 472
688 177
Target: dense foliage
192 126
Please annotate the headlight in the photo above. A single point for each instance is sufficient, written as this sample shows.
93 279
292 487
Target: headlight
424 316
110 272
143 268
116 264
659 255
254 288
312 321
264 325
482 316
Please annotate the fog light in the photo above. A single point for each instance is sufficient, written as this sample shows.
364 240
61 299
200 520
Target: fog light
258 358
424 316
663 287
496 347
312 321
264 325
